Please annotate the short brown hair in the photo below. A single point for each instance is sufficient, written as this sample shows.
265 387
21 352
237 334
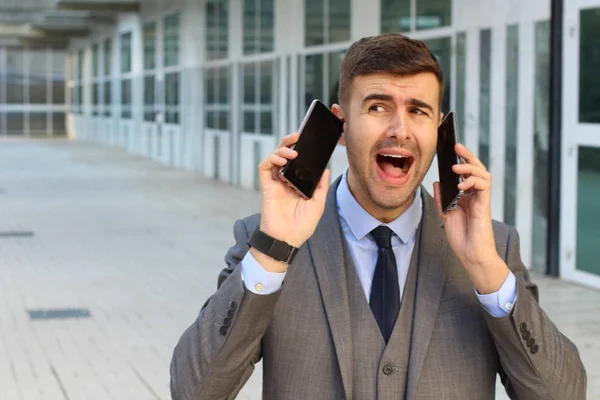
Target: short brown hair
387 53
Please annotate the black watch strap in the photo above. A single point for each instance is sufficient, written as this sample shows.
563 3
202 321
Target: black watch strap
277 249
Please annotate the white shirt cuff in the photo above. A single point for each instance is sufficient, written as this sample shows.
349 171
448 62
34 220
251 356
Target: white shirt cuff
500 303
257 279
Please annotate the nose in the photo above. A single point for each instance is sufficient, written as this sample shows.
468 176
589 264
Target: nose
398 128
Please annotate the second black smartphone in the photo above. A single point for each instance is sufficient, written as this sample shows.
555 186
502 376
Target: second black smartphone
446 158
319 134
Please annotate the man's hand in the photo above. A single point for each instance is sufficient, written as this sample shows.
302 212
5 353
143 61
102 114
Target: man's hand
469 226
285 215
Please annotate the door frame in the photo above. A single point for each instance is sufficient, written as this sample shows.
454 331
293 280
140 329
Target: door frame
579 134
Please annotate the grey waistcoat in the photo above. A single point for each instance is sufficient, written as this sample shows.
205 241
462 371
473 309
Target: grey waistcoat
380 371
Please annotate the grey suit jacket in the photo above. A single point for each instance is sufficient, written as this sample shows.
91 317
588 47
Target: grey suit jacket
302 331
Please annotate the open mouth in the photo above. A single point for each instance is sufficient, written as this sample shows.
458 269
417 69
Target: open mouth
395 166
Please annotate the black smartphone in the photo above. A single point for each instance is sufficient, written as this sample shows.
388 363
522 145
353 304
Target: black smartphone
446 158
320 131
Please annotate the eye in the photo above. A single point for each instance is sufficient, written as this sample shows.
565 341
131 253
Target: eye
418 111
376 108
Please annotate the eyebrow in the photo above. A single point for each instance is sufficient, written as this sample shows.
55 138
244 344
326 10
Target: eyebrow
387 97
419 103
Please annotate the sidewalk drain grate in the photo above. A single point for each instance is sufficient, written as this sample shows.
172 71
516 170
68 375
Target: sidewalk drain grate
60 313
16 234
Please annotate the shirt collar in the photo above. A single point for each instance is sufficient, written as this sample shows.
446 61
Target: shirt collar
361 223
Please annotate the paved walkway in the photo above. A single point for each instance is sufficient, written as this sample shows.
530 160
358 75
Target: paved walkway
139 245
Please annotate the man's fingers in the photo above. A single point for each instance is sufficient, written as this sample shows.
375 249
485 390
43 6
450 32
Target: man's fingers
272 161
474 182
468 155
472 170
289 140
286 152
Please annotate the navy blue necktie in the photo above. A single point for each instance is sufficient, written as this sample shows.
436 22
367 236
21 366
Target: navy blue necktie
385 293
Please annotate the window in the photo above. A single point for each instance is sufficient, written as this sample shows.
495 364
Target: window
461 79
172 98
485 60
171 43
149 95
540 142
149 66
126 52
95 60
399 16
95 98
258 106
326 21
79 85
259 22
217 27
58 77
589 64
15 82
512 110
126 98
442 50
433 14
107 57
38 76
216 98
321 79
150 46
107 98
107 93
395 16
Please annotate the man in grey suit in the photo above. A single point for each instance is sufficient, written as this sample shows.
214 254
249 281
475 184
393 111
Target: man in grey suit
387 297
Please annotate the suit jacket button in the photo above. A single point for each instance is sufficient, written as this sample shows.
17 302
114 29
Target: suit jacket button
232 305
227 322
388 370
230 313
523 327
534 349
530 342
224 330
526 335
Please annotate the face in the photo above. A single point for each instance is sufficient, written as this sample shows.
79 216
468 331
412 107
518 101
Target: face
390 133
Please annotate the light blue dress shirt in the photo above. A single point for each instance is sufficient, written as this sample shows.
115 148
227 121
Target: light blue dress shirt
356 224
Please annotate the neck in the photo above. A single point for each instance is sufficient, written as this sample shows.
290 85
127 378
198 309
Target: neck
382 214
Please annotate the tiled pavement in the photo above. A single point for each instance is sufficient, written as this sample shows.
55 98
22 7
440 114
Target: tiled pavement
139 245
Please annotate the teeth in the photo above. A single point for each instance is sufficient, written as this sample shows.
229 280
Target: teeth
394 156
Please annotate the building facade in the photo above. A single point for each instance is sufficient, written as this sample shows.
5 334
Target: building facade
212 86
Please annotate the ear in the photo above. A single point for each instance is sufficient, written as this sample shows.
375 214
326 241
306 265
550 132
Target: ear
441 118
337 110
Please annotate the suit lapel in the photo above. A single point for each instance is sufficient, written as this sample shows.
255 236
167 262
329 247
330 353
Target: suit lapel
326 249
433 251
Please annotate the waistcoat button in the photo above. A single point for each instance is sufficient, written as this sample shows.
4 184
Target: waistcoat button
388 370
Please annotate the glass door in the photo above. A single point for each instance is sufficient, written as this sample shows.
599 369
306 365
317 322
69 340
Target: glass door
580 183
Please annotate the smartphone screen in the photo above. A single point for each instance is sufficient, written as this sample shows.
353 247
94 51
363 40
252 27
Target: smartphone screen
446 158
319 133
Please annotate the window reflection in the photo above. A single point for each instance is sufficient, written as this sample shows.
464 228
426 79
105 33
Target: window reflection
433 14
589 65
395 16
588 212
512 103
442 50
540 142
485 74
461 80
326 21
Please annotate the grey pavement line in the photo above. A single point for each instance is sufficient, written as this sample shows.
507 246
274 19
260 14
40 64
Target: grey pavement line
60 384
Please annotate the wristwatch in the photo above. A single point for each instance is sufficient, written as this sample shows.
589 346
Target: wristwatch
276 249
